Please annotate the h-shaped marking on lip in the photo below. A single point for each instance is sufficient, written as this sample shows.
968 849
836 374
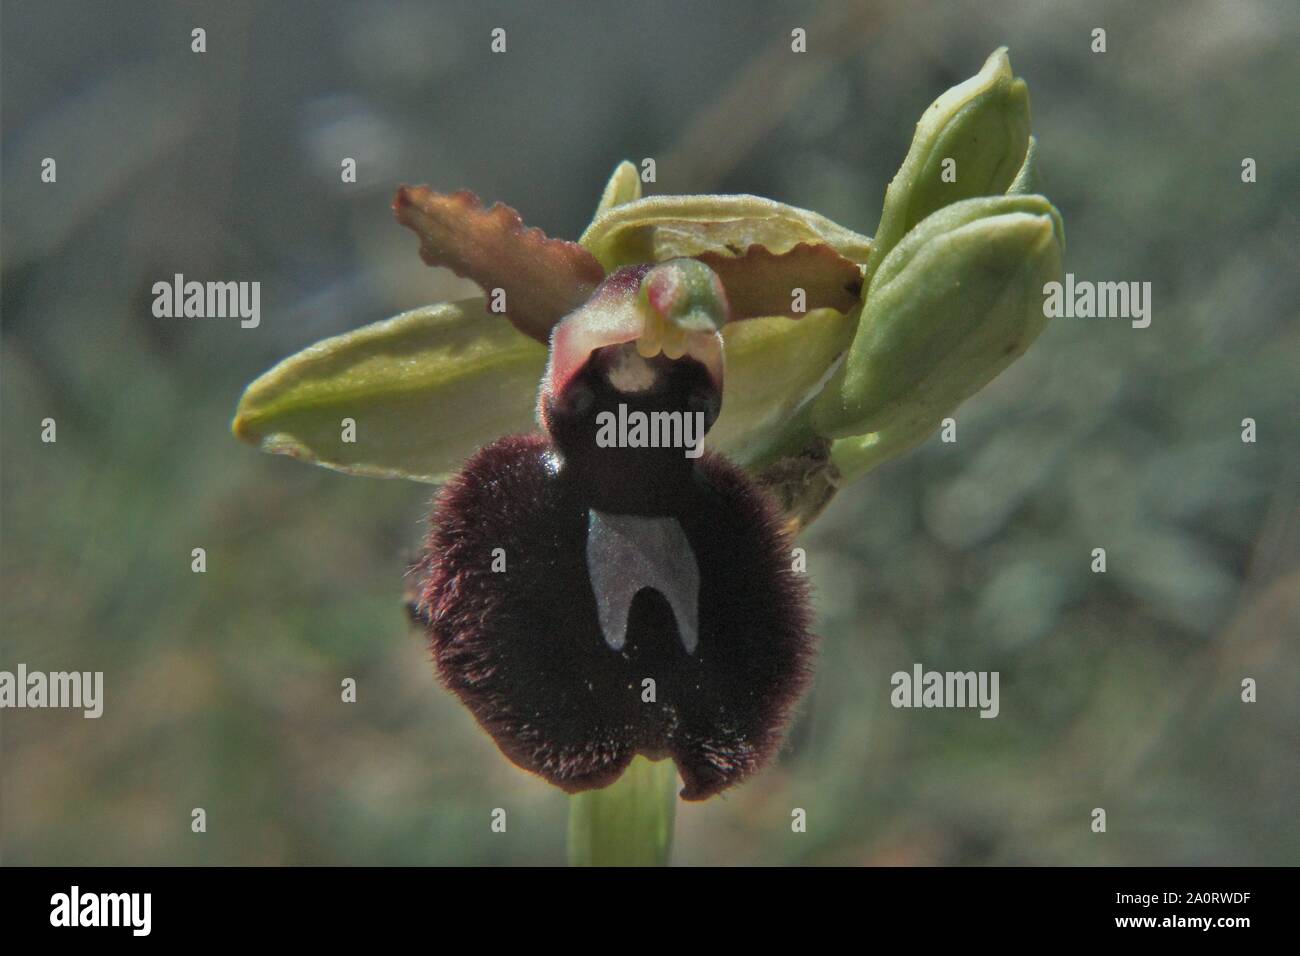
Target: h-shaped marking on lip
626 553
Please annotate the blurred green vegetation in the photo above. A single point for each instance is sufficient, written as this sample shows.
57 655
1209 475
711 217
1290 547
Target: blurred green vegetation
222 690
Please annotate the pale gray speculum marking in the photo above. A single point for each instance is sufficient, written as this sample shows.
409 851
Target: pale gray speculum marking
626 553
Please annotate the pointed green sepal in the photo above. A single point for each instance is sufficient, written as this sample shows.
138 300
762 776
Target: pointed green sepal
410 397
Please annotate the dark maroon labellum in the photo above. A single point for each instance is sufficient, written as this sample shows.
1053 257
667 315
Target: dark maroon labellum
589 602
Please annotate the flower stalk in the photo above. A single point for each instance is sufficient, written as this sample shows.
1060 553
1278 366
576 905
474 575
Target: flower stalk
628 823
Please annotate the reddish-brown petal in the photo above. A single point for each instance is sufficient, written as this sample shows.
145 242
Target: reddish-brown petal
760 282
543 279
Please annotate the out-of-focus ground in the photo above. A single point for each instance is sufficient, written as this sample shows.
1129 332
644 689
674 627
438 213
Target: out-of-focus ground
1118 690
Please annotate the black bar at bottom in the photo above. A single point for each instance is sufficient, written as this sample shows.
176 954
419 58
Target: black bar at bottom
588 908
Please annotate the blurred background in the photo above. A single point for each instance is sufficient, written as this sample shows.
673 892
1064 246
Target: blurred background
1118 690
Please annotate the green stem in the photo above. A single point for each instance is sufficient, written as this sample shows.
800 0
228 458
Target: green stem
854 457
630 822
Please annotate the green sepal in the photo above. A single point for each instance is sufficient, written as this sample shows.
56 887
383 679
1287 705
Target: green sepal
425 390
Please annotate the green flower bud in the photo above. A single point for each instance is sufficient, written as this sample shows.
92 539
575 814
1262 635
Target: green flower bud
970 142
955 303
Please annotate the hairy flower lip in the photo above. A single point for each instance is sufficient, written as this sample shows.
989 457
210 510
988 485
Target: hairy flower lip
524 649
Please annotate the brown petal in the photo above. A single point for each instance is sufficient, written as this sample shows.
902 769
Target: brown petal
763 283
543 279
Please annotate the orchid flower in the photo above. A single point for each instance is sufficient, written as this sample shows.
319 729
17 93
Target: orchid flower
599 598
